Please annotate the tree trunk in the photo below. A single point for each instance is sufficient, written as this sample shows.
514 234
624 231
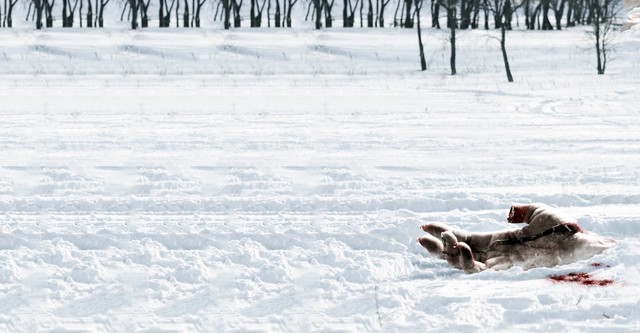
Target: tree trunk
197 13
453 49
89 14
161 14
237 20
134 13
570 13
352 15
277 15
288 16
423 62
598 21
100 12
526 5
466 7
227 13
185 15
476 14
38 11
435 14
558 15
252 14
328 20
48 12
65 15
9 14
546 23
408 22
508 14
395 14
318 10
383 5
345 16
534 15
507 68
451 15
497 20
144 17
599 53
485 5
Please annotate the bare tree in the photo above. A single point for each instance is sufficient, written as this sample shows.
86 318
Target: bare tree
604 13
144 17
198 8
570 7
48 11
383 5
226 9
277 15
185 14
133 4
167 17
451 6
100 5
502 10
328 19
423 62
164 13
435 14
558 10
39 8
289 8
530 13
348 13
8 8
256 13
546 23
408 22
89 14
237 19
476 14
252 13
68 12
318 6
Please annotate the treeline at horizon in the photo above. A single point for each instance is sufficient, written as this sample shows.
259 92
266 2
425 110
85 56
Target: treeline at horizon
461 14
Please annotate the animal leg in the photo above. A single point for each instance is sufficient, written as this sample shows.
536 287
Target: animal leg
436 229
433 245
499 263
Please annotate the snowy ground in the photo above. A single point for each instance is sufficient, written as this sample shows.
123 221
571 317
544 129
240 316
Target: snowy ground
275 181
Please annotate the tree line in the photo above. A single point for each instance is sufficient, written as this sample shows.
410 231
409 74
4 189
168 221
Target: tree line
463 14
458 14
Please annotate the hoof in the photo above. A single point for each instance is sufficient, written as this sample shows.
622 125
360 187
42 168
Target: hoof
464 250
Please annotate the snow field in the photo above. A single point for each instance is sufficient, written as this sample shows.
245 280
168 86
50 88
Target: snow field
141 191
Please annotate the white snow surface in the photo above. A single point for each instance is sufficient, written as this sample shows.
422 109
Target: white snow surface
262 180
633 17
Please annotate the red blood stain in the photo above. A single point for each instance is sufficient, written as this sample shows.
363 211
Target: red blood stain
582 278
597 264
